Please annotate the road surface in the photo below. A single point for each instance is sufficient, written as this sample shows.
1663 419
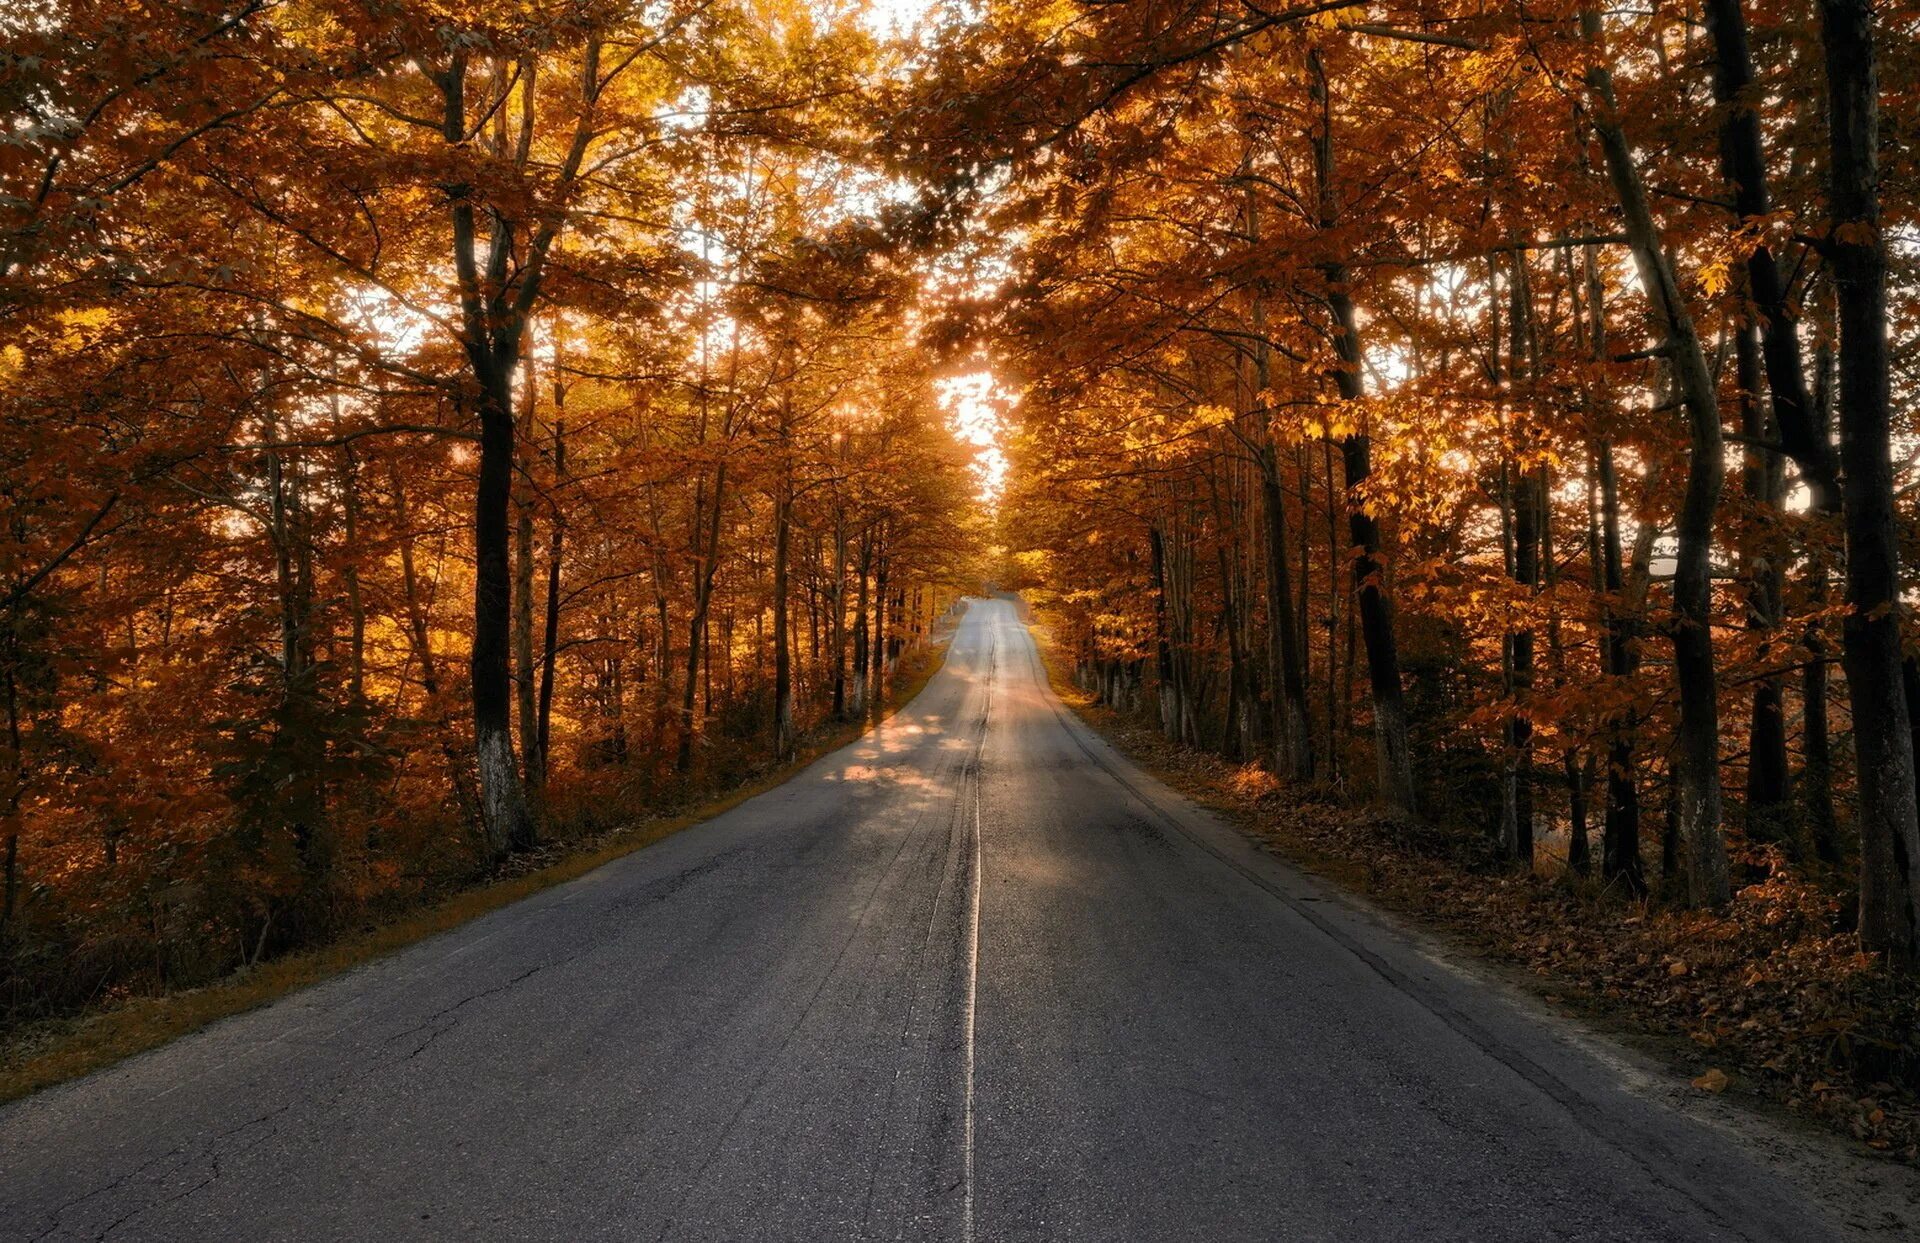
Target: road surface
973 977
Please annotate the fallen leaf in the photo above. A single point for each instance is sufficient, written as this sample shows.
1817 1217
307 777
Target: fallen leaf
1714 1080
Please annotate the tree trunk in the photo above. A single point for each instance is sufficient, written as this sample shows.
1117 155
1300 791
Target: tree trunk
782 656
1393 756
527 696
1163 647
15 794
1292 728
1339 690
707 562
507 819
550 646
1528 497
838 627
1620 861
1743 167
1286 658
1768 793
493 325
1698 779
1870 643
860 626
350 576
882 614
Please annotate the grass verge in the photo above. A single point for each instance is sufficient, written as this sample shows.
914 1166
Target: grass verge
56 1050
1767 1000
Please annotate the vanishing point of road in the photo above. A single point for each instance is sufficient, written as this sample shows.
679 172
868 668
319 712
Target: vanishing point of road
972 977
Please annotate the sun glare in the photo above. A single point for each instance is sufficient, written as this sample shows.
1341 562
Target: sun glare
976 407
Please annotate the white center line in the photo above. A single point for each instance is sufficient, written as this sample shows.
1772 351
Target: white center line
973 977
973 957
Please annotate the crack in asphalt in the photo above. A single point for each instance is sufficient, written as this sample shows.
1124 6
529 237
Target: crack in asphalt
214 1148
210 1150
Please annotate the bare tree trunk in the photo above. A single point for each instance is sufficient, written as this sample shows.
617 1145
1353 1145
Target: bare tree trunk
350 575
860 653
1393 753
782 656
1870 645
504 811
1292 730
526 697
838 628
1528 497
882 615
1698 779
1339 691
494 312
706 564
1743 166
1794 425
1768 792
15 794
550 646
1286 661
1620 861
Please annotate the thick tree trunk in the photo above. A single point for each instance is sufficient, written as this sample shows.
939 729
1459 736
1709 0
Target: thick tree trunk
494 314
505 815
1339 689
1870 645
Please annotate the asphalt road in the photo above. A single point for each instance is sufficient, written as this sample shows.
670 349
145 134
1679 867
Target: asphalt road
973 977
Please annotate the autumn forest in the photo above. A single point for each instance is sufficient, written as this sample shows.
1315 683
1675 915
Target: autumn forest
437 435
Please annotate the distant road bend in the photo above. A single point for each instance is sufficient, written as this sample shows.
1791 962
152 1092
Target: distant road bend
972 977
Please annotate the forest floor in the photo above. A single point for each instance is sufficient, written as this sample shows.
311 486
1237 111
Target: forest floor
42 1053
1764 1004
